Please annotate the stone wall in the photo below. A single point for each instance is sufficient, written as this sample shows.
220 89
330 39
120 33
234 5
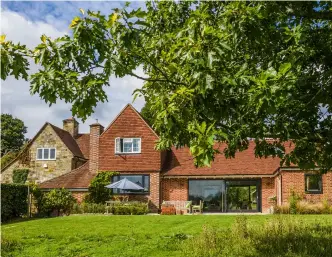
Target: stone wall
39 173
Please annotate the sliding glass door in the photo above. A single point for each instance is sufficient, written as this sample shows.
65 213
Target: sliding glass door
226 195
211 192
243 195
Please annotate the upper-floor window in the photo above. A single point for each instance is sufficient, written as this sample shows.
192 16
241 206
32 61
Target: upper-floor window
46 153
313 183
127 145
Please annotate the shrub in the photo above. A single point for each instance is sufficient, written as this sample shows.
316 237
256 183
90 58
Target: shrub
304 207
282 209
38 196
126 208
60 200
98 193
20 176
88 208
14 201
293 200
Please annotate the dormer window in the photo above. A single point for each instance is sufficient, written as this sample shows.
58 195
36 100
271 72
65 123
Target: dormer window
46 153
127 145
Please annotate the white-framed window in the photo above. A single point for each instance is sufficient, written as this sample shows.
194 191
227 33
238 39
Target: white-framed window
127 145
46 153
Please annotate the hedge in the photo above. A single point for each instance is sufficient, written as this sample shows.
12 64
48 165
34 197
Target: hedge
128 208
20 176
14 201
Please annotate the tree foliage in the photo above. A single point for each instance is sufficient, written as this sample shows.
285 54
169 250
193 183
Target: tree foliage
97 191
7 158
214 71
12 134
147 113
20 176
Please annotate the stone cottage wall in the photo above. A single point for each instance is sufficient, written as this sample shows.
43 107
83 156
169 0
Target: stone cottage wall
55 168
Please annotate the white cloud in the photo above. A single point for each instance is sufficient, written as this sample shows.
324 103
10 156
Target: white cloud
15 95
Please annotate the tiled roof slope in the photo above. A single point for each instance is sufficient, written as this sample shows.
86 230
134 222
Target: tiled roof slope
69 141
78 178
83 141
179 162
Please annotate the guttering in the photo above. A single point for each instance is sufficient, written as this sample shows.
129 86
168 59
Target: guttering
296 169
221 176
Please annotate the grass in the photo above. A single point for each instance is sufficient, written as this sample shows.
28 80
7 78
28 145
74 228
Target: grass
99 235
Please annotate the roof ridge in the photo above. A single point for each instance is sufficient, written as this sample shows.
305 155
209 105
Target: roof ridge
57 129
137 112
27 145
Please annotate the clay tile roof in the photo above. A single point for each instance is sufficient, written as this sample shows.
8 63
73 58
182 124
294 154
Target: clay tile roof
179 162
83 141
77 178
68 140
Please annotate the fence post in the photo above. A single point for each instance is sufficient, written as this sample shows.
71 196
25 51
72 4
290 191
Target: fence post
28 201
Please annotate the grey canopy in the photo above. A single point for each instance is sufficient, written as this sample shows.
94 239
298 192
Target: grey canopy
125 184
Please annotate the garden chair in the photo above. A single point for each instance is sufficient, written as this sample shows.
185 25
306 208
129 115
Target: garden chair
198 208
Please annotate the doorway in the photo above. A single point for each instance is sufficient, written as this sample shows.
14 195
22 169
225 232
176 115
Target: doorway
243 195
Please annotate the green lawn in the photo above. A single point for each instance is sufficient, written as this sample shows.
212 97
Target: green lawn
98 235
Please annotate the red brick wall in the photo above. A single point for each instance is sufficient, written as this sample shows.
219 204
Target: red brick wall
95 131
79 196
294 180
129 124
174 189
268 190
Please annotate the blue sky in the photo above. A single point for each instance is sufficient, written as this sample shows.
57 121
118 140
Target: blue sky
25 22
63 11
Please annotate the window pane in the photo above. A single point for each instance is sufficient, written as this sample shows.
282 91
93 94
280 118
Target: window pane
40 154
127 147
136 144
52 153
141 180
46 154
146 183
117 145
314 182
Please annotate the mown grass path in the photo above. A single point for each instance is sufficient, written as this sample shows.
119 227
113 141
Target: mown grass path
99 235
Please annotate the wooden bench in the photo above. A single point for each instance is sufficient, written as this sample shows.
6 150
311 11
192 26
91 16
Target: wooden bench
179 205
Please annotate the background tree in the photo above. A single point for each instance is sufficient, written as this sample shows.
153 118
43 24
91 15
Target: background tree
214 71
12 134
147 113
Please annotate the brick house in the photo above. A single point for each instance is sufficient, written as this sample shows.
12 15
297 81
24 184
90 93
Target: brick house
245 183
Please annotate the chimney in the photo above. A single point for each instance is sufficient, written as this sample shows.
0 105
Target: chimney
71 125
95 130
